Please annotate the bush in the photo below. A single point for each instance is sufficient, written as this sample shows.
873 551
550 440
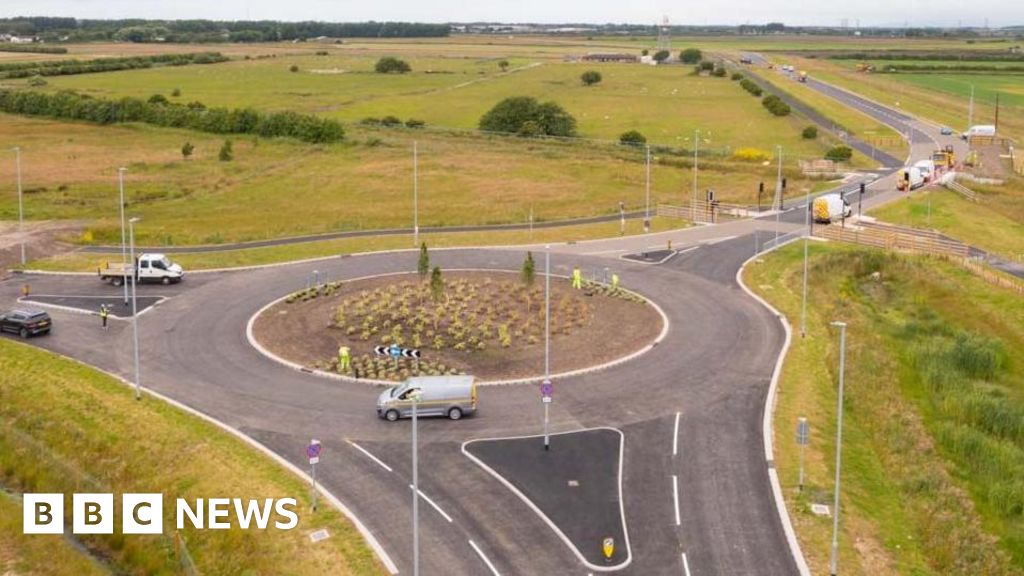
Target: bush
750 155
158 99
36 81
661 55
690 56
414 123
503 65
390 64
775 105
752 87
526 116
590 77
737 76
719 72
226 153
810 133
176 92
187 149
390 121
839 154
293 68
370 121
706 66
632 138
69 105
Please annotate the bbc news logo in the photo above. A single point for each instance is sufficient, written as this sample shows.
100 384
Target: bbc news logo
144 514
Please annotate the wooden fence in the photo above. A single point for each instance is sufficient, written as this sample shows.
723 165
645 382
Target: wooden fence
898 238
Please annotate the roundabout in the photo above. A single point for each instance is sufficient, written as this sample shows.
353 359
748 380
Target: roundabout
486 323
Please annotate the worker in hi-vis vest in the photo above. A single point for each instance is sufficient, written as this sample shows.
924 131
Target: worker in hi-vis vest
615 281
344 359
104 312
577 278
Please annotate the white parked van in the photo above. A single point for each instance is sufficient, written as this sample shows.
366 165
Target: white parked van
909 178
829 207
927 168
451 396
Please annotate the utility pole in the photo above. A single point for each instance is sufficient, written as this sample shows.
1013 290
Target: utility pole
696 143
416 197
135 309
21 209
834 560
970 109
124 248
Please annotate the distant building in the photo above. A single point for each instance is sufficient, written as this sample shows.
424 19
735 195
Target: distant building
610 57
21 40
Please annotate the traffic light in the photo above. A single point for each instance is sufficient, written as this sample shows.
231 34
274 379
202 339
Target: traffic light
783 183
862 188
760 189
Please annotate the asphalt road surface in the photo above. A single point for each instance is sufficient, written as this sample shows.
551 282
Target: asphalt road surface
695 480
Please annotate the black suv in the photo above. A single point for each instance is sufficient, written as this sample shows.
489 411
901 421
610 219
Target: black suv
25 323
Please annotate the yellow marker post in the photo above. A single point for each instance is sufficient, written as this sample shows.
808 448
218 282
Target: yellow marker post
608 546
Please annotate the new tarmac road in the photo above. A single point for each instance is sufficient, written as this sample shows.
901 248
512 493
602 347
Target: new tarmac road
696 490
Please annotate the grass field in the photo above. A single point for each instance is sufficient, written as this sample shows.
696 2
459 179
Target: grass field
25 554
930 469
85 438
284 188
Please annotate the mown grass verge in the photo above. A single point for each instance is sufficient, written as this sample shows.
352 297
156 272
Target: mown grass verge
933 454
67 428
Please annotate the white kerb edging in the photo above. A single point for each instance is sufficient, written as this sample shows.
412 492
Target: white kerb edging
769 413
554 527
334 501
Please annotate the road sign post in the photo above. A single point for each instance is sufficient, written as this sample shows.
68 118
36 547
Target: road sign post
802 437
313 453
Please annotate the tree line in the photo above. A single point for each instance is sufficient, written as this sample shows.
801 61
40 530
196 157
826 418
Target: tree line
185 31
158 112
33 48
71 67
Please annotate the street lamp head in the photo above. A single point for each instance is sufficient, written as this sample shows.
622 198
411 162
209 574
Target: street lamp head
839 324
134 219
122 169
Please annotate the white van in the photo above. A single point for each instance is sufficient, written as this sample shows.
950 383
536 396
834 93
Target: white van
450 396
829 207
980 130
909 178
927 168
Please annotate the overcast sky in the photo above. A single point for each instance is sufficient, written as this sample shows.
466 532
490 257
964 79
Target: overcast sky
793 12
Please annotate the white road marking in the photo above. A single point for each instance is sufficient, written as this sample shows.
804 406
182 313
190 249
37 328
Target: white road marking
675 437
370 456
686 565
434 504
675 497
714 241
484 558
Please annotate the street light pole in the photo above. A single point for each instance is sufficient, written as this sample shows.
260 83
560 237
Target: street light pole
124 253
647 204
415 395
834 560
547 336
135 311
693 205
778 195
807 232
970 109
21 210
416 196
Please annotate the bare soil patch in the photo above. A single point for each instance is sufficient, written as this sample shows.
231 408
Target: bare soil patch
42 239
589 327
